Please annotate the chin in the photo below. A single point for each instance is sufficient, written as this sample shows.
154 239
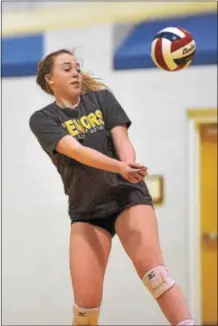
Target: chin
77 91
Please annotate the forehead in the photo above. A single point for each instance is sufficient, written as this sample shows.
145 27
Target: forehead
66 58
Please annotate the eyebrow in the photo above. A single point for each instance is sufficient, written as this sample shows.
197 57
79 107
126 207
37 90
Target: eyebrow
70 63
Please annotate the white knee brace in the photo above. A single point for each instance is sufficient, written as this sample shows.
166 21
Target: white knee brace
83 316
187 322
158 281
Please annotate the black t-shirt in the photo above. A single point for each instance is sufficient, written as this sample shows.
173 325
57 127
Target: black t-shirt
92 193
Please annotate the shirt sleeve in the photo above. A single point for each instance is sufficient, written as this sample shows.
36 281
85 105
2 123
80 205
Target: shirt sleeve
114 114
47 131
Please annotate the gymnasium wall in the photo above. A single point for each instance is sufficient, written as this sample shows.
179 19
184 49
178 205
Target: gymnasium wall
36 281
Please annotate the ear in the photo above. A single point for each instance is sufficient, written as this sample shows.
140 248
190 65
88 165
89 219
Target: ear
49 79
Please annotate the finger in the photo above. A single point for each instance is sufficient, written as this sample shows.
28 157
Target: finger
140 165
143 173
139 174
143 169
135 178
137 166
136 171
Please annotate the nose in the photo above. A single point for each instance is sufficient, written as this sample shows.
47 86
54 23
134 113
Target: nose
75 73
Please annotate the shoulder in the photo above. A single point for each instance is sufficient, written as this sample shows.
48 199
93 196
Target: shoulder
41 114
44 111
102 97
101 94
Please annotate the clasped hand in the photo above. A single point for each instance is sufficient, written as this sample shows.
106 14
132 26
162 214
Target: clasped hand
133 172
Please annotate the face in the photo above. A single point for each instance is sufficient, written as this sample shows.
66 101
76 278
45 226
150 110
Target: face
65 78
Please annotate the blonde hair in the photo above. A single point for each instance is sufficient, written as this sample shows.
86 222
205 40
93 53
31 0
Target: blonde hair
45 66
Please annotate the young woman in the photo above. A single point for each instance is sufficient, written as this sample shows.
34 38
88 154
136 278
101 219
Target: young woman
85 133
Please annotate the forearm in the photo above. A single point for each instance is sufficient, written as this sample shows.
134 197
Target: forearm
126 152
95 159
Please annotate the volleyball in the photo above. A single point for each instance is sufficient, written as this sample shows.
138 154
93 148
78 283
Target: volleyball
173 49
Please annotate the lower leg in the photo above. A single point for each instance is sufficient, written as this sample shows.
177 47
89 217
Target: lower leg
174 306
137 229
169 296
89 252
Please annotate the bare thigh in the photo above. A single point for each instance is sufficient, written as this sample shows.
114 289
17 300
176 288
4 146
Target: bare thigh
89 252
137 230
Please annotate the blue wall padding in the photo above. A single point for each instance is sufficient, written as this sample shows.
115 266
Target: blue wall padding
134 52
20 55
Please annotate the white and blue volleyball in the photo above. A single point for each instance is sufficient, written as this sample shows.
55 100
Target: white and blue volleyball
173 49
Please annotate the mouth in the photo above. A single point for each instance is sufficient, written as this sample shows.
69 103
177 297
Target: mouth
75 83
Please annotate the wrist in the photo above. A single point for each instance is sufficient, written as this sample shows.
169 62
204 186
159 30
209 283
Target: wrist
119 166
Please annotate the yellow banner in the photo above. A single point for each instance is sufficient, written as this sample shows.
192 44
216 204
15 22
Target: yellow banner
81 14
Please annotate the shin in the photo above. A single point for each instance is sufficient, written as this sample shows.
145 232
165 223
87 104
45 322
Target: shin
167 293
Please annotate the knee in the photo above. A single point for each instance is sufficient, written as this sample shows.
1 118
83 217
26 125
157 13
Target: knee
158 281
144 260
85 316
88 302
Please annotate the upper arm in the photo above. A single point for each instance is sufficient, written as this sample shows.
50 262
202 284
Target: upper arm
51 136
114 114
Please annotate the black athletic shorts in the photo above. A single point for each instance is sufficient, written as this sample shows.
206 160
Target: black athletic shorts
106 223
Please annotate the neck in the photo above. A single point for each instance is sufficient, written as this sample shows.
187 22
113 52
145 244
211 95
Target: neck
66 103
